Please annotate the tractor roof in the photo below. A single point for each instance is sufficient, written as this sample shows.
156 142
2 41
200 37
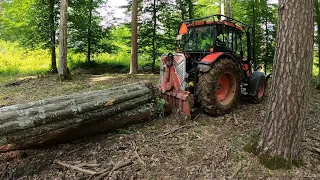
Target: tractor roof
216 19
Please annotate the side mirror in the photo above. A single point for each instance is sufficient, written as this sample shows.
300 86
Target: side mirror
183 29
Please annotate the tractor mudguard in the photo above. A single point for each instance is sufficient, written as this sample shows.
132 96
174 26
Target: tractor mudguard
206 63
253 83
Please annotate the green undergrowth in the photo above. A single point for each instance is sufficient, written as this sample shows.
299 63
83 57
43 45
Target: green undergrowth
128 130
160 106
16 60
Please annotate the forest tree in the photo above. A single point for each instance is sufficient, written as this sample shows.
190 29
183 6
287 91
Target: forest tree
280 141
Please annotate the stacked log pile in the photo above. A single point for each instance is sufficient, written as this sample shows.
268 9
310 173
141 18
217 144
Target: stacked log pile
63 118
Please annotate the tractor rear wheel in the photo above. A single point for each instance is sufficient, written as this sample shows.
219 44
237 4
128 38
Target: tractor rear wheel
260 94
218 90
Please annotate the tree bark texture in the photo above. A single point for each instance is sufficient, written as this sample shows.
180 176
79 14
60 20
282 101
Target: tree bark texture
134 38
190 6
222 7
282 130
68 117
52 37
89 32
63 67
154 36
318 38
182 9
229 8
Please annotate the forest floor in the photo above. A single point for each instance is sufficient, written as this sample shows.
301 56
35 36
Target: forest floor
169 148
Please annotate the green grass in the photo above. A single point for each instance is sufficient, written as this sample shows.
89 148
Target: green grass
315 69
17 61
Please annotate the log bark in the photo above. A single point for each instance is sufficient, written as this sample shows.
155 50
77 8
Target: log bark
63 118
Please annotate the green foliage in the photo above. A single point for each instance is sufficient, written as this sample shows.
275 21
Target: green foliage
129 130
16 60
159 106
79 16
117 40
269 161
251 146
276 162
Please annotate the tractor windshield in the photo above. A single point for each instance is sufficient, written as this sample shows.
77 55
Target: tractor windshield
199 38
218 36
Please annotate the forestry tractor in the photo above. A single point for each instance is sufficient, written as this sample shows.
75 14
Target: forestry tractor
212 67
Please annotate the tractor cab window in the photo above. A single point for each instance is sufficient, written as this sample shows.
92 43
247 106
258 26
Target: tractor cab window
228 38
199 38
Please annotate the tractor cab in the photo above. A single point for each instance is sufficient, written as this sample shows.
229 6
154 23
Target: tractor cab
210 68
203 36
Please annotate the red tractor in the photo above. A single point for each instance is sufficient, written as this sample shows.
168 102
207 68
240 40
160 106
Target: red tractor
212 67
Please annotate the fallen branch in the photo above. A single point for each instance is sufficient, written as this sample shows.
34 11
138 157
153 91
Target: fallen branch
74 167
100 172
176 129
4 171
87 165
196 117
122 165
317 150
139 159
238 168
236 122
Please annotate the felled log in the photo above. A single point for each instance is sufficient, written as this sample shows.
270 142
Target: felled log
63 118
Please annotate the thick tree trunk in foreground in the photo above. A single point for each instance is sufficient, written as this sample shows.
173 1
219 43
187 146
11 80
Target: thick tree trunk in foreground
279 145
68 117
134 38
52 38
63 67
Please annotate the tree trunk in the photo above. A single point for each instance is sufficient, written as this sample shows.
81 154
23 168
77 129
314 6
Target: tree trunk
63 67
318 38
190 5
134 38
70 116
222 7
279 144
89 32
52 38
183 9
154 36
253 35
229 8
266 58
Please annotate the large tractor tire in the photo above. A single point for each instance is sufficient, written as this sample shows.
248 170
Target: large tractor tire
260 93
218 90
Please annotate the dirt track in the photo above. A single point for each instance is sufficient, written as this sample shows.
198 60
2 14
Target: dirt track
171 147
